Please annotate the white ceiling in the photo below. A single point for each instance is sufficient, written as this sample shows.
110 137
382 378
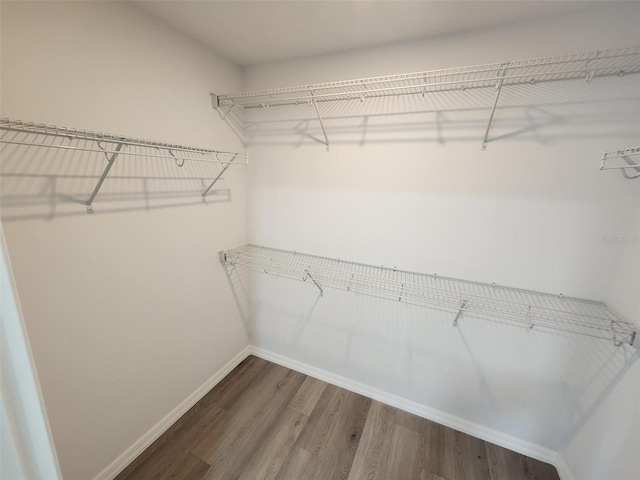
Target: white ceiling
264 31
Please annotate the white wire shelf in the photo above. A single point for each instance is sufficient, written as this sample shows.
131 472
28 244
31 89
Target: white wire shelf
621 160
508 305
535 70
85 142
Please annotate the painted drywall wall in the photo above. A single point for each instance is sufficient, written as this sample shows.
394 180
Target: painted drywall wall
27 446
613 431
127 310
414 190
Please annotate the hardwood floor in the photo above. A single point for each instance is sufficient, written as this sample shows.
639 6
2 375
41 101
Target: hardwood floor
267 422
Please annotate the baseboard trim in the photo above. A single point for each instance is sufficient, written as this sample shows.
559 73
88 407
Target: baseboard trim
564 472
130 454
490 435
493 436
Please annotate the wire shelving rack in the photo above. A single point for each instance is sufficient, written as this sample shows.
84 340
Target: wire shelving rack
487 76
489 301
112 146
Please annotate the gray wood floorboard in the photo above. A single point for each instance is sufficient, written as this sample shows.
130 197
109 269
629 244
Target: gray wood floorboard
266 422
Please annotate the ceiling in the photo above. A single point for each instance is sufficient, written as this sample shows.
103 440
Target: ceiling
264 31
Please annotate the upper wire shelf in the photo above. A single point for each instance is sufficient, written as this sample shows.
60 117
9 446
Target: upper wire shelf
624 155
78 141
493 75
544 69
492 302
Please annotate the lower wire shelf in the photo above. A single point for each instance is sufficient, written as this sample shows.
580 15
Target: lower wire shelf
489 301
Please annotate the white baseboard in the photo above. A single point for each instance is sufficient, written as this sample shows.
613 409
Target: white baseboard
131 453
499 438
563 469
493 436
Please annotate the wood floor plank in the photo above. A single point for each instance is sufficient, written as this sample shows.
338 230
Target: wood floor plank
278 424
294 464
537 470
233 385
370 461
307 397
172 455
424 475
413 422
405 445
248 422
471 458
191 469
269 458
503 464
440 455
332 434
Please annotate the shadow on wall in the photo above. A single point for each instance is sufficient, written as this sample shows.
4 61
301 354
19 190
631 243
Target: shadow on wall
45 183
536 385
542 113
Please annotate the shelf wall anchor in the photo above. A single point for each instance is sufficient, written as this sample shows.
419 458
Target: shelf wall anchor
460 311
501 75
102 178
224 169
324 132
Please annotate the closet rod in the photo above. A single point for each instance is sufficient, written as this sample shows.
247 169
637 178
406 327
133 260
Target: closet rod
544 69
536 310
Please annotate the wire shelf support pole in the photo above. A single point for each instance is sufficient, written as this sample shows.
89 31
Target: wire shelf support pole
324 132
103 177
501 75
224 169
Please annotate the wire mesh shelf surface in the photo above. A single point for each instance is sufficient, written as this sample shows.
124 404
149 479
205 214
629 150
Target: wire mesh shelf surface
86 146
509 305
545 69
18 132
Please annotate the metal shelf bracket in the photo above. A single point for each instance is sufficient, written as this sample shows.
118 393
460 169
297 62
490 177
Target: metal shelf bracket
501 75
315 282
224 169
110 161
460 312
624 154
215 103
324 132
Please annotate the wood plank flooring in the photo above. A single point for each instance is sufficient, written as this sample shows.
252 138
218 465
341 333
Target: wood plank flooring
266 422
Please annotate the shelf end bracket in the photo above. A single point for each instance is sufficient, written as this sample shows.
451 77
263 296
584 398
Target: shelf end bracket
633 165
215 103
501 75
324 132
224 169
463 305
315 283
110 161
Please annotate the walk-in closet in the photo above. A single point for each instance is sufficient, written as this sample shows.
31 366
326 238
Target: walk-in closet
292 240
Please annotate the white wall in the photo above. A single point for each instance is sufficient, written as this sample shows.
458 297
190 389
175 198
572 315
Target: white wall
27 447
127 310
613 432
415 190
